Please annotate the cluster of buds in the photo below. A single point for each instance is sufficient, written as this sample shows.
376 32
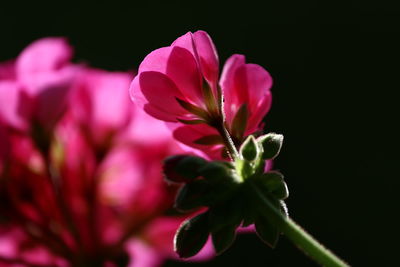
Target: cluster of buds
224 189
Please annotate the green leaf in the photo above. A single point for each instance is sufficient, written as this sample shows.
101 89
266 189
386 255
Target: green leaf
267 232
193 195
271 145
191 236
274 183
191 122
193 109
249 149
209 140
223 238
239 122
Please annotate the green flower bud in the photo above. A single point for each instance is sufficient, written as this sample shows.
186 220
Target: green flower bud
249 149
271 145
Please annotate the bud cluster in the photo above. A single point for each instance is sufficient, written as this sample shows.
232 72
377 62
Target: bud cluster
222 192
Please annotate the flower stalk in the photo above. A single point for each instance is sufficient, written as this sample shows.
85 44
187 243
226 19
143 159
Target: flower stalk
304 241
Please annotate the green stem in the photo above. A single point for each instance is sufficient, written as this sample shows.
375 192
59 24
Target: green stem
304 241
230 146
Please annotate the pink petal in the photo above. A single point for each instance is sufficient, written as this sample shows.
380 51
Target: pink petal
100 102
19 105
203 49
51 102
255 80
121 179
7 70
143 255
246 83
159 93
180 66
44 55
227 83
187 134
259 113
145 129
4 147
208 56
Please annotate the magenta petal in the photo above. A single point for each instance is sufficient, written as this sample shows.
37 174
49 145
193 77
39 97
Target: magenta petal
246 84
4 148
186 41
48 54
208 56
143 255
51 102
160 93
180 66
187 134
258 113
7 70
203 49
227 83
255 79
91 102
19 105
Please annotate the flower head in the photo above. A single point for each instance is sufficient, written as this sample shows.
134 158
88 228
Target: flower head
180 84
93 195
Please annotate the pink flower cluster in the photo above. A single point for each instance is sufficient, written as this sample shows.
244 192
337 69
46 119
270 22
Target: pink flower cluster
80 166
181 83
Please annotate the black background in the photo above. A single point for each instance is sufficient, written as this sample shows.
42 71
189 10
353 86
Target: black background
335 68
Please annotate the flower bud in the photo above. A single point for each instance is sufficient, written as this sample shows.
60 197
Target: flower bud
271 144
249 149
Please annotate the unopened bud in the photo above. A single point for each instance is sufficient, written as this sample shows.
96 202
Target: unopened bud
271 144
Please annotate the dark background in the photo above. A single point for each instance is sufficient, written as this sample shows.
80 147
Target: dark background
336 76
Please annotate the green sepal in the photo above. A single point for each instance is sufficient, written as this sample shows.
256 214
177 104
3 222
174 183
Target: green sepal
219 172
223 238
249 207
244 168
193 195
249 149
274 183
267 231
191 122
209 98
227 213
239 122
191 236
271 145
208 140
193 109
182 168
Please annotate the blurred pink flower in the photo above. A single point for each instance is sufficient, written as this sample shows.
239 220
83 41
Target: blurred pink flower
184 71
36 84
96 196
100 105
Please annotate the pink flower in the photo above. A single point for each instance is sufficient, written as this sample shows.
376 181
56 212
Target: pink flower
100 104
36 84
95 195
179 83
